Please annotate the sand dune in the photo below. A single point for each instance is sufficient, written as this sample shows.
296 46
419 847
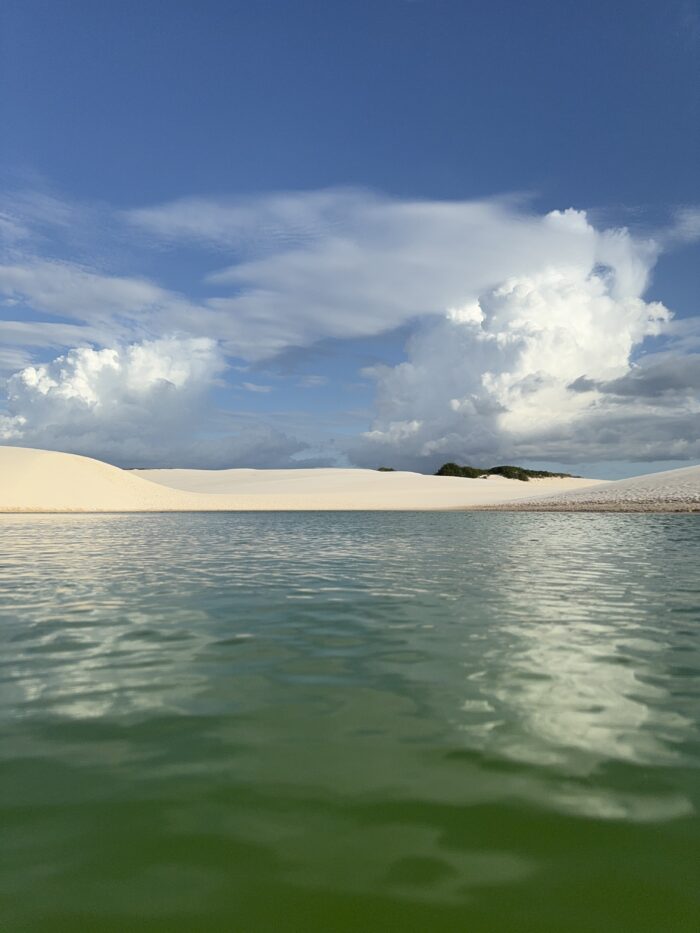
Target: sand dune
335 489
669 491
45 481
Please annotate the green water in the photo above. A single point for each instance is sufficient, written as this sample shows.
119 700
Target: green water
350 722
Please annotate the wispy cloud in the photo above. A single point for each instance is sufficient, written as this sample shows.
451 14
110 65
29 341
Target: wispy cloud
686 225
254 387
312 382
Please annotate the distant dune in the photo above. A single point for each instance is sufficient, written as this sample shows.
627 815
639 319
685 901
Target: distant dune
670 491
45 481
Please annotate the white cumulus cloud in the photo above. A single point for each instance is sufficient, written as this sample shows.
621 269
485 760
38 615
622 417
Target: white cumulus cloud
497 379
111 401
141 404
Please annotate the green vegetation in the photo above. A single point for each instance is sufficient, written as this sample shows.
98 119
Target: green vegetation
510 472
386 470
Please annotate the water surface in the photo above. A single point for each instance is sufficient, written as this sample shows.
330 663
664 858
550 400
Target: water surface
350 722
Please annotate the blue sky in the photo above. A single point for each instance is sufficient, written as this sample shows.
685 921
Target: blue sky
255 233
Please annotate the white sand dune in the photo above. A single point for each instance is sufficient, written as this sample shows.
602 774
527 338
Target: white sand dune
46 481
669 491
336 489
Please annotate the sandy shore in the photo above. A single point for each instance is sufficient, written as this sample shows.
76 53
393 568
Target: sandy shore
669 491
45 481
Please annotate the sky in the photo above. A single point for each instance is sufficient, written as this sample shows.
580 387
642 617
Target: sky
292 232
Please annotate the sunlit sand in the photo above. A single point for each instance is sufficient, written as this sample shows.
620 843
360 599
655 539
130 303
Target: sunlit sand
668 491
45 481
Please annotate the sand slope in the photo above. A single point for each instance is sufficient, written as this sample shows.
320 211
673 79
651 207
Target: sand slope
319 489
45 481
669 491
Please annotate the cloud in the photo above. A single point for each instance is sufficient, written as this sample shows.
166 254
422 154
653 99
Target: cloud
311 266
348 264
251 223
254 387
686 226
312 382
96 308
88 395
664 377
525 327
13 358
538 368
11 230
70 290
137 405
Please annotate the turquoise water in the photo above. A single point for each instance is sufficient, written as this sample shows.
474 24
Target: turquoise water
350 722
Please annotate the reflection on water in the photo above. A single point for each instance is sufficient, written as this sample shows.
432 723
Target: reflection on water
575 674
267 714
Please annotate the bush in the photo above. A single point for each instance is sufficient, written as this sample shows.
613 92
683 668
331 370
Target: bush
510 472
453 469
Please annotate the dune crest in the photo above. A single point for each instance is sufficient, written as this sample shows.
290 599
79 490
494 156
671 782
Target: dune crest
46 481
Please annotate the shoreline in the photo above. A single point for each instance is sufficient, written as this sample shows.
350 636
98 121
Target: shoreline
660 508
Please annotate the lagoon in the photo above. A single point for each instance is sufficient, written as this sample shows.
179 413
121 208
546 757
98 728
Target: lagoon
350 722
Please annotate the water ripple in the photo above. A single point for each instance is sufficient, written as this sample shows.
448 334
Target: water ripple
375 705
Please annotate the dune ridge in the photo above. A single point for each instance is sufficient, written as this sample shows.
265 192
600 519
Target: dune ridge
46 481
667 491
